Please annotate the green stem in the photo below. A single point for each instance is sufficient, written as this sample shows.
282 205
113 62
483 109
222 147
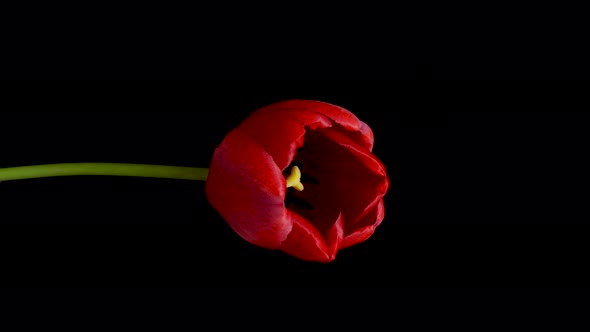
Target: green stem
111 169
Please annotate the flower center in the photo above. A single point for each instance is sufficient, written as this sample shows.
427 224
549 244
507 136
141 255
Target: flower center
339 180
294 179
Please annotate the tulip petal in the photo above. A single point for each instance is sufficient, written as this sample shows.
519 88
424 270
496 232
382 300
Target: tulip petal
352 179
279 128
280 134
362 132
248 189
306 242
370 161
335 237
365 227
342 137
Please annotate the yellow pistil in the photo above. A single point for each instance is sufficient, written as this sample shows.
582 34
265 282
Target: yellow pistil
294 179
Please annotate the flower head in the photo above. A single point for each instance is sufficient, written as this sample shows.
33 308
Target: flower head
299 176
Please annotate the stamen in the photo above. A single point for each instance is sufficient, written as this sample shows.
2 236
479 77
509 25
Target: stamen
294 179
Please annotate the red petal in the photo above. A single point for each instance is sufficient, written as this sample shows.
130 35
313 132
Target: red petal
370 161
352 179
365 227
343 138
281 133
248 189
335 237
306 242
336 113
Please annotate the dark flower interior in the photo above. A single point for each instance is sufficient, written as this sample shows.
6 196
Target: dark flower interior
336 180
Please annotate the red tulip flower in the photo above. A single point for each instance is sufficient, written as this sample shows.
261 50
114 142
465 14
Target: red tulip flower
296 176
299 176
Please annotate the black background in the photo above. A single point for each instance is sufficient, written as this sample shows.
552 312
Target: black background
487 189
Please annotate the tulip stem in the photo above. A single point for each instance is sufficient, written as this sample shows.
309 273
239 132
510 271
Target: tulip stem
110 169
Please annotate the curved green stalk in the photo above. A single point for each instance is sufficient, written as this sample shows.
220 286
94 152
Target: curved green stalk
110 169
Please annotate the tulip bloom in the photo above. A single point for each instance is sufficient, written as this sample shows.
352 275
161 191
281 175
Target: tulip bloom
296 176
299 176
